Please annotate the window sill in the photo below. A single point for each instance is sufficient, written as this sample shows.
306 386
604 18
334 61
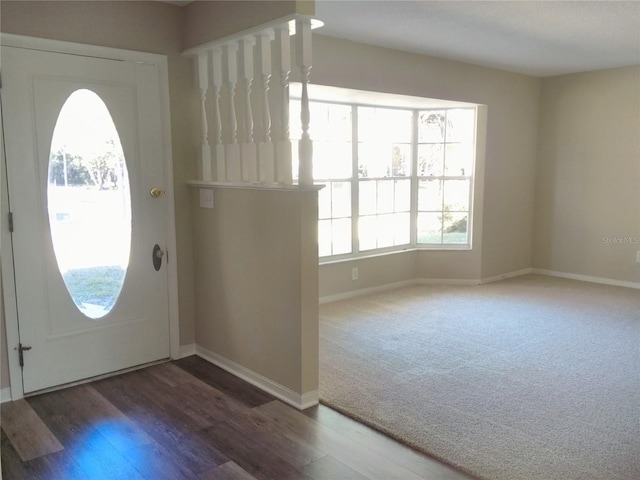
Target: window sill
253 186
351 258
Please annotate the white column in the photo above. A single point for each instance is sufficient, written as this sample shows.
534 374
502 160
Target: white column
232 149
203 83
283 142
248 151
266 167
303 60
218 149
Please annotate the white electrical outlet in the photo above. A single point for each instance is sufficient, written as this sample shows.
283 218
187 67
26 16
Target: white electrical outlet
354 273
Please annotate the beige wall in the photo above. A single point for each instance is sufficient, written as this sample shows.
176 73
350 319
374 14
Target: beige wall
504 240
4 358
588 184
144 26
257 282
394 268
208 20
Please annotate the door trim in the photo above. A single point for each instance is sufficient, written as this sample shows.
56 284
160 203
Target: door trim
7 273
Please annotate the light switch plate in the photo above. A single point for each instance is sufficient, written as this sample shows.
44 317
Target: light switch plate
206 198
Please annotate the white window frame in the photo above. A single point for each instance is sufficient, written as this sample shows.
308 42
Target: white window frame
357 98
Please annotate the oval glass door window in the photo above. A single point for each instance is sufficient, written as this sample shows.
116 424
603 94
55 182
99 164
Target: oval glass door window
89 203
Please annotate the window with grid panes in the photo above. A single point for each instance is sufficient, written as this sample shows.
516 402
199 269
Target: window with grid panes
384 177
332 150
445 167
394 178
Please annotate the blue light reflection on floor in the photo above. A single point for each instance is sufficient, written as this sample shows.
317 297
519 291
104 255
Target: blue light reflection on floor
99 450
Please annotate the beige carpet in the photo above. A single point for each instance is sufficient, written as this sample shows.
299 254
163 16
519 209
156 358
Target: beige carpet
529 378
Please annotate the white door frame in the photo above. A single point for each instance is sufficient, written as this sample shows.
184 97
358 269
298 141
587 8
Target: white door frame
7 273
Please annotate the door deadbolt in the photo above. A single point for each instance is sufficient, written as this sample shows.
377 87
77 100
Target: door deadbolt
156 257
156 192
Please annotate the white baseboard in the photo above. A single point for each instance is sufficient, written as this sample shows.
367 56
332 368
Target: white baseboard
366 291
420 281
586 278
504 276
5 395
447 281
187 350
297 400
464 281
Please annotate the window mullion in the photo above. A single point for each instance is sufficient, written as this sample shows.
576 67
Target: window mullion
355 186
413 221
444 170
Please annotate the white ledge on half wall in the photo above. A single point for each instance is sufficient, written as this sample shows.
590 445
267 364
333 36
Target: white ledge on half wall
254 186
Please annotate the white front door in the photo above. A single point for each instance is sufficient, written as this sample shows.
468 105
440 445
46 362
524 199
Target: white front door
85 170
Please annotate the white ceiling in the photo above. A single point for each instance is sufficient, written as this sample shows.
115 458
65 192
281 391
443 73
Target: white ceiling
540 38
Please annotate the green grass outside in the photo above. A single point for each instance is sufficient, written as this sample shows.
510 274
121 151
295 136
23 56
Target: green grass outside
95 285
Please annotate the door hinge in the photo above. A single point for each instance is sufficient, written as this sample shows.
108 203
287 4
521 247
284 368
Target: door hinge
11 222
21 350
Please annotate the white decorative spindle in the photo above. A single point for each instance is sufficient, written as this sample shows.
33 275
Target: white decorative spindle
283 142
303 60
218 148
266 170
203 83
232 149
248 147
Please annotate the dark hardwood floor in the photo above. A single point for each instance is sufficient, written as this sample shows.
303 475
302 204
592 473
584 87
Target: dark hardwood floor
191 420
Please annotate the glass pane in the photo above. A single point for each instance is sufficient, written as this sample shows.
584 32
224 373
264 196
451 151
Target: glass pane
456 195
460 125
455 228
331 160
401 160
341 199
458 160
397 123
430 160
375 159
429 228
324 238
89 203
431 126
385 196
367 231
341 236
330 122
367 125
402 196
401 228
385 136
384 124
386 230
324 201
368 201
430 195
